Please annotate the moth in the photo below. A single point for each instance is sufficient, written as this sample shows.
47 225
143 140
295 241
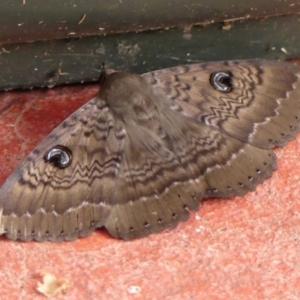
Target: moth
148 148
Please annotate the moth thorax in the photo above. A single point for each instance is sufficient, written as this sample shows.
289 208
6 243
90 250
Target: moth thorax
128 95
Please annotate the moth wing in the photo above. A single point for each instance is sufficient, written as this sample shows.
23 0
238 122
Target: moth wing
44 202
262 106
162 179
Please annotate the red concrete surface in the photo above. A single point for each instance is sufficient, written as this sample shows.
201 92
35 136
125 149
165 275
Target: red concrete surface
242 248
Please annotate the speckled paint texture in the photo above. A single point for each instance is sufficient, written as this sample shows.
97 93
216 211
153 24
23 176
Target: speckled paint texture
242 248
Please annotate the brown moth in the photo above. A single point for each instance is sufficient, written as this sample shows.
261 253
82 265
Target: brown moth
143 153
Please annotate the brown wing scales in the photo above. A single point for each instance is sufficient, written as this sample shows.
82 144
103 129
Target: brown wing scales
262 108
159 184
50 203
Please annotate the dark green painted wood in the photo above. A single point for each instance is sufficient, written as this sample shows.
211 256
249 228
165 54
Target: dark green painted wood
31 20
37 64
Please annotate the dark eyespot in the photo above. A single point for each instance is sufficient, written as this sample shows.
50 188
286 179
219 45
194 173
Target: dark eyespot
250 178
221 81
159 221
59 156
241 184
62 233
229 188
130 229
174 216
292 127
47 233
214 190
258 171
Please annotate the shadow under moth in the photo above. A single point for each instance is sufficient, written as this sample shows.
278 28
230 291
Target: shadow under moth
148 148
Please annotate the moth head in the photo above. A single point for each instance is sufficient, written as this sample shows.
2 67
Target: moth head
222 81
130 96
59 156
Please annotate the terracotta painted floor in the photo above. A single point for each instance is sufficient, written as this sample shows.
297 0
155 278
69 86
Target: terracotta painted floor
244 248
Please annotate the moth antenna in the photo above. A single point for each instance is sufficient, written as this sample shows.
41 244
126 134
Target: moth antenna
103 74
